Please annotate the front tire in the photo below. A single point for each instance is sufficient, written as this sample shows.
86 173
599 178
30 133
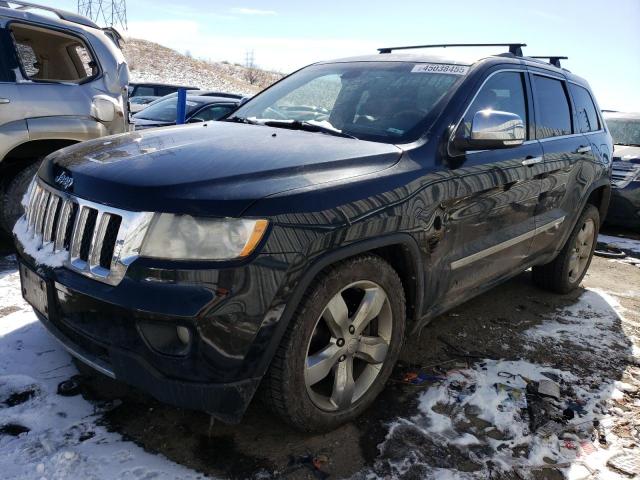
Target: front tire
11 208
568 269
340 346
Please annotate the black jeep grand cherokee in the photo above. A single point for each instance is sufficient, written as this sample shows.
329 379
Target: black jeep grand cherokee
294 245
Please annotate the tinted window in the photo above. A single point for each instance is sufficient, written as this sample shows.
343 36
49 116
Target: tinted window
51 56
625 131
213 112
162 91
6 57
554 114
166 110
144 91
585 109
503 92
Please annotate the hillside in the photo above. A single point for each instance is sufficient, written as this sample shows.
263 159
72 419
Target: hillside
151 62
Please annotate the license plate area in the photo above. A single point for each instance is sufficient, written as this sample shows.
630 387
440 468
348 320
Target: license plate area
34 290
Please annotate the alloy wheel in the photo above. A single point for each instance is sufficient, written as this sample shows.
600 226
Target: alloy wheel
348 346
581 250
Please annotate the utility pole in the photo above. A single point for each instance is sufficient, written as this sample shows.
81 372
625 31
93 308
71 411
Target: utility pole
106 13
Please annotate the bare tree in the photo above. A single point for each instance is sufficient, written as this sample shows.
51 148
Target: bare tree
251 73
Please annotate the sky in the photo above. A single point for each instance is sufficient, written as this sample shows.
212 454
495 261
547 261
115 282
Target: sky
600 37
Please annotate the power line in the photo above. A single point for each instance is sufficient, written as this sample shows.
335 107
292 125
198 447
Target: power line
108 13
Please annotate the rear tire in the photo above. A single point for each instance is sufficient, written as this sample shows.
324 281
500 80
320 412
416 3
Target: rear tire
340 346
568 269
11 196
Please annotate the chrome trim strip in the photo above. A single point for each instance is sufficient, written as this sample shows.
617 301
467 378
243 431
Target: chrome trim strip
463 262
84 359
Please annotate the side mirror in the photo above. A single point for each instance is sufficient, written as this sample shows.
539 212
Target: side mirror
196 120
491 129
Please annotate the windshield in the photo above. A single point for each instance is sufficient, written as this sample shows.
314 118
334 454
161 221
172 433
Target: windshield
166 110
624 132
379 101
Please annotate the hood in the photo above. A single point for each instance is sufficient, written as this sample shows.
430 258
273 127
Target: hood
626 153
215 168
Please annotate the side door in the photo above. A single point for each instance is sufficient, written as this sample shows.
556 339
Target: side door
567 159
55 67
496 192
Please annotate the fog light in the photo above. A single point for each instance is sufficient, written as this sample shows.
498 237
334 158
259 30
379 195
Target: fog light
184 335
166 338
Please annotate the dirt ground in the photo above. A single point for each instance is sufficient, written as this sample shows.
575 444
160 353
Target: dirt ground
491 326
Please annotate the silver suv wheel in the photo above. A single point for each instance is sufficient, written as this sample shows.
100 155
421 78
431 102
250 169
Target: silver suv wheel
348 346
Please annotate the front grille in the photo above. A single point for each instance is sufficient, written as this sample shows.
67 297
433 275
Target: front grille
623 173
100 241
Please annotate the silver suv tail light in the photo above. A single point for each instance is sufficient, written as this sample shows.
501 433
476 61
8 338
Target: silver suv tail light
100 241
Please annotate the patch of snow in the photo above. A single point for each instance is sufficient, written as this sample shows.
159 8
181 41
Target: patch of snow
32 245
64 439
628 244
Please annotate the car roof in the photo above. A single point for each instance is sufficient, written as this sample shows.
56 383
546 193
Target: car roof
461 58
29 12
622 115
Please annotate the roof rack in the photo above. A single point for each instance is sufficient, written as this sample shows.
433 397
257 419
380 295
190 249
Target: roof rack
514 48
553 59
62 14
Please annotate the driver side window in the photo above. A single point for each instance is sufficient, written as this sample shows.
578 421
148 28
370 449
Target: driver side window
503 92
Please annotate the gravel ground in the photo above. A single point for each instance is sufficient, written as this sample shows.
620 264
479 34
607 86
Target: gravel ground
455 407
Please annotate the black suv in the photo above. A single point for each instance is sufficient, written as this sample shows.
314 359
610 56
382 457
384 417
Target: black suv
292 246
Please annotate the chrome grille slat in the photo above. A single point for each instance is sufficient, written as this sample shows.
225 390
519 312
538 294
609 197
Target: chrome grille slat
50 218
78 233
42 209
112 239
98 238
63 222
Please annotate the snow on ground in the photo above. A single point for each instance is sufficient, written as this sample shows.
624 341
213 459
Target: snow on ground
628 244
477 416
61 438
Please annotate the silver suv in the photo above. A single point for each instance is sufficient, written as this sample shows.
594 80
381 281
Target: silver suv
63 80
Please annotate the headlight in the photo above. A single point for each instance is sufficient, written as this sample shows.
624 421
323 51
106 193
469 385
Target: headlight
183 237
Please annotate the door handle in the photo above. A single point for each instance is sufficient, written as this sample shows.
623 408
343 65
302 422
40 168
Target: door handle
584 149
4 100
527 162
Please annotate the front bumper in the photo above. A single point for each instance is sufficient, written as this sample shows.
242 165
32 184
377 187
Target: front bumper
227 312
624 209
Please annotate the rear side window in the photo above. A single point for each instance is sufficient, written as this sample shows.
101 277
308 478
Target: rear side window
162 91
51 56
552 106
214 112
7 58
586 110
144 91
503 92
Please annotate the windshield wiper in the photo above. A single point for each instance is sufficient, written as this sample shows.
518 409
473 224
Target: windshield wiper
307 126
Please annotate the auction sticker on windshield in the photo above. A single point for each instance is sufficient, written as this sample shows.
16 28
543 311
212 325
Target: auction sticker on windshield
440 68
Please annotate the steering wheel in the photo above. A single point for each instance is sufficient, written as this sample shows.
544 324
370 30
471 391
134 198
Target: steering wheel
408 117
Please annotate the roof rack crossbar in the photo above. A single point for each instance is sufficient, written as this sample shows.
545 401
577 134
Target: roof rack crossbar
553 59
62 14
514 48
